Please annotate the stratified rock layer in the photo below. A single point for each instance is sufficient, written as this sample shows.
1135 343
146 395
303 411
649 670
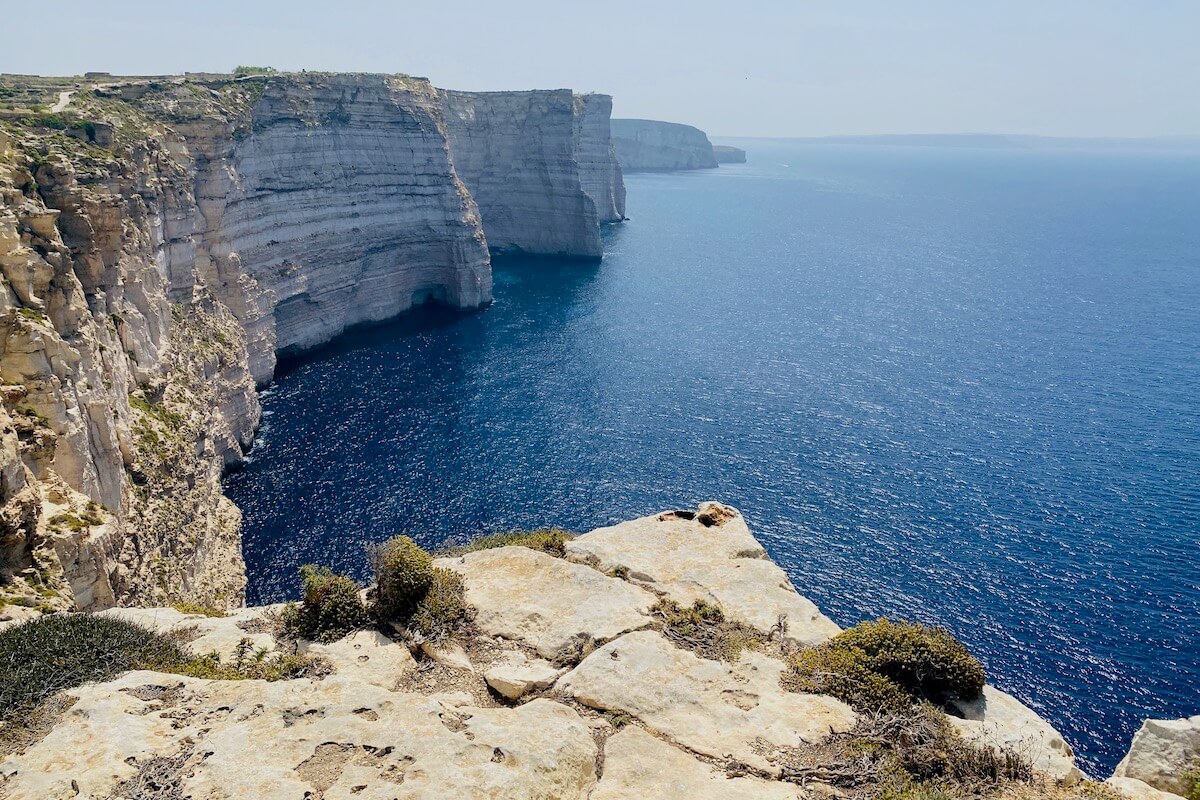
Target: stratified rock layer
646 145
340 207
163 239
541 167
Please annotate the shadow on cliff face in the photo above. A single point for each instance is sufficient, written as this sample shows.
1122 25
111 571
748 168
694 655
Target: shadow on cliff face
554 285
428 317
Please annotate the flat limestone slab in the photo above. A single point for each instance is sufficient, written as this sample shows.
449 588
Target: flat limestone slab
548 603
212 634
516 675
711 555
711 707
337 738
368 656
999 719
638 765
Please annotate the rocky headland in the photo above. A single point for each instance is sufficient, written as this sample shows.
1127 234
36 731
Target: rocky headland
163 239
726 154
645 145
570 681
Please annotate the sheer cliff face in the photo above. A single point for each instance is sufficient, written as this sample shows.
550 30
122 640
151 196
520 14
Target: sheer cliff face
599 170
120 407
539 166
645 145
341 207
153 262
162 240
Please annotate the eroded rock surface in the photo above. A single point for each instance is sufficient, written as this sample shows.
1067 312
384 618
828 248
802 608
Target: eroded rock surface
708 554
638 765
711 707
562 671
332 738
1001 720
554 606
1161 752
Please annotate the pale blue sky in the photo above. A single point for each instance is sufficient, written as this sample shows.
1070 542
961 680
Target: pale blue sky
1073 67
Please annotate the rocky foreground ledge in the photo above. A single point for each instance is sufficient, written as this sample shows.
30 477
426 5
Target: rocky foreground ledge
566 688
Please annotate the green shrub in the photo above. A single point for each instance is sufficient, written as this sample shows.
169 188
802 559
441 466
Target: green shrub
331 607
403 574
198 608
248 663
443 609
886 665
47 655
54 122
547 540
1191 782
240 70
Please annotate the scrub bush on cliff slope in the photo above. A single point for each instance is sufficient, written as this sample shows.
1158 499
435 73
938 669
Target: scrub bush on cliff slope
47 655
551 541
429 602
443 609
403 574
890 666
53 653
330 609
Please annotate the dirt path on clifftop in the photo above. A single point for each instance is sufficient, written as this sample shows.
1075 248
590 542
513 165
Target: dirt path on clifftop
63 99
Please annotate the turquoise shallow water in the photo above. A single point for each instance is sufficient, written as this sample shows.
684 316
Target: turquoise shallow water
960 386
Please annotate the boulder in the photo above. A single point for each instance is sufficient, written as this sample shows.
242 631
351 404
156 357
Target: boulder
1161 752
448 653
707 554
713 708
516 675
548 603
998 719
639 765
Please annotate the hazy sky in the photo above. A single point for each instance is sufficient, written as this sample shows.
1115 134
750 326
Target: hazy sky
798 68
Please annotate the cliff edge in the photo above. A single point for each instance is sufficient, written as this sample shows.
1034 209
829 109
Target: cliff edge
573 680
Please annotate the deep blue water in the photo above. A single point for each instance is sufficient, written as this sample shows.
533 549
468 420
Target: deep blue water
957 386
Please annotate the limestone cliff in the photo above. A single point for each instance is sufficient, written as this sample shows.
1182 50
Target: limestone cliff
566 684
541 167
339 205
123 401
645 145
599 170
160 241
725 154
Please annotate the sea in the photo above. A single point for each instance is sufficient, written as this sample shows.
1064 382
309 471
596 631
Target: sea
953 385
